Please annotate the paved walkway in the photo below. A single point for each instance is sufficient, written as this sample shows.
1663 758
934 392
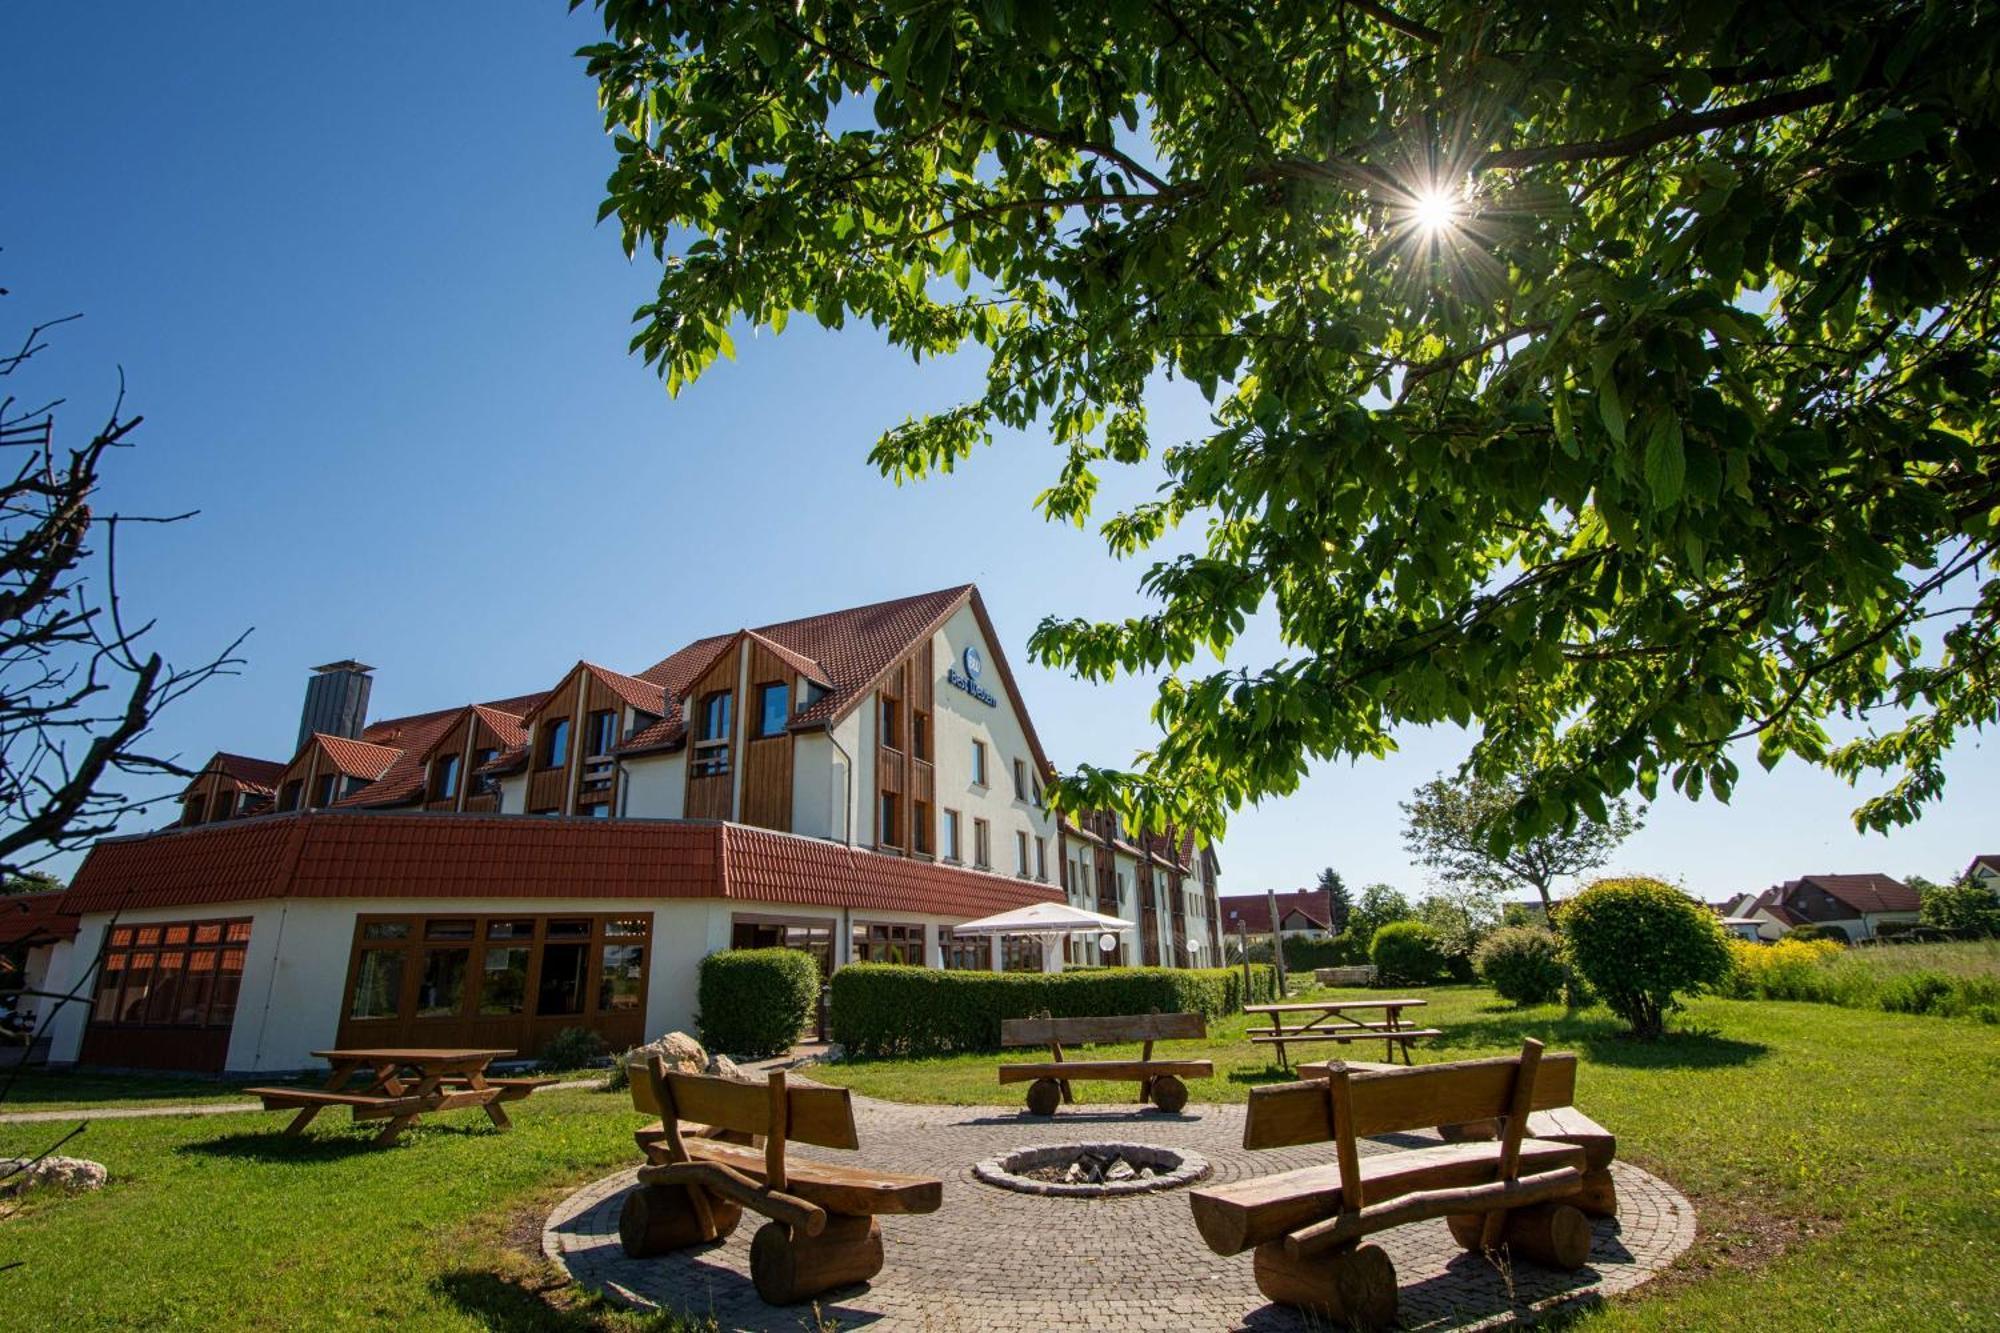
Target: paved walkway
994 1259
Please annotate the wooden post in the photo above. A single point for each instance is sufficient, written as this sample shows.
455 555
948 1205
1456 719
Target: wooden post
1243 948
1340 1100
774 1142
1277 941
1519 1106
670 1121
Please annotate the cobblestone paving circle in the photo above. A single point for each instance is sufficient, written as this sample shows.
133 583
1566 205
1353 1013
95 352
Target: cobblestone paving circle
994 1259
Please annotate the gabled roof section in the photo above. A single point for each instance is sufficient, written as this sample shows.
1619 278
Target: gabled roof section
507 728
357 759
1867 893
1252 912
258 775
641 694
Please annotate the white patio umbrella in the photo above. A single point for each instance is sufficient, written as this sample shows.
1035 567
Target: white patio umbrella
1050 923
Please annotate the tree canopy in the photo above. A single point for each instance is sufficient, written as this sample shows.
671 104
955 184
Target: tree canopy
1616 381
1450 827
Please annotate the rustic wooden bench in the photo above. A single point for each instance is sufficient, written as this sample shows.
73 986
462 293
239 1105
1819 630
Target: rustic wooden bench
1159 1080
823 1231
1307 1225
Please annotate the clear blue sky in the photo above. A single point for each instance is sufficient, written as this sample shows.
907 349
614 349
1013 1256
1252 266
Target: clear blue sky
346 256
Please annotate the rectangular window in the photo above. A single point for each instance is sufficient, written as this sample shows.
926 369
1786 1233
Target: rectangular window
445 785
1038 793
191 813
1042 859
920 736
982 844
288 795
152 978
979 763
441 983
503 980
1020 781
1020 853
621 977
773 699
564 966
323 790
889 944
968 953
603 731
891 736
886 833
378 984
920 827
555 742
711 747
949 836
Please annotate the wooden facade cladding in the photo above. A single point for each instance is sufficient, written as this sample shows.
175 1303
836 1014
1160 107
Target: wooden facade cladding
712 795
905 776
465 740
767 760
215 795
594 777
583 781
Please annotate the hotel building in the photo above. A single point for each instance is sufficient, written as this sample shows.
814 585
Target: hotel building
851 784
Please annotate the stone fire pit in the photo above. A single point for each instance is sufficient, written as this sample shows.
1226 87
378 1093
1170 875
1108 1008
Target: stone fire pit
1093 1170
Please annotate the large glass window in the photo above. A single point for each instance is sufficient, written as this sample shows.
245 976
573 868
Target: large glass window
503 980
968 953
773 700
441 984
564 967
889 944
378 984
621 977
171 974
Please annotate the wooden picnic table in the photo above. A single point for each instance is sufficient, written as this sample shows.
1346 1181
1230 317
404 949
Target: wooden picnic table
399 1084
1337 1020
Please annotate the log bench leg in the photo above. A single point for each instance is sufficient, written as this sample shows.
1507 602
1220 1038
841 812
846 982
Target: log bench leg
1355 1285
789 1266
1554 1235
1044 1096
1599 1195
1169 1093
658 1219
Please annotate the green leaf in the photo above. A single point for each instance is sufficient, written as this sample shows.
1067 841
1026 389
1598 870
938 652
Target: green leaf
1666 461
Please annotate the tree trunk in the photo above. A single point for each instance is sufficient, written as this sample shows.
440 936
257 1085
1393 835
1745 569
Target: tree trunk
788 1266
1354 1285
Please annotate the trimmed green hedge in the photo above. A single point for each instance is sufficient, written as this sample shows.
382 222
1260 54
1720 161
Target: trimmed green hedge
884 1009
754 1002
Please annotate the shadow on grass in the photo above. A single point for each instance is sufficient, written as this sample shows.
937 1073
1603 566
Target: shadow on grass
277 1146
515 1306
1599 1038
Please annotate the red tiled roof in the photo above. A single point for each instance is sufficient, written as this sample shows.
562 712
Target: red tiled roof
403 781
36 918
258 775
507 728
1253 911
1868 893
325 854
641 694
850 648
357 759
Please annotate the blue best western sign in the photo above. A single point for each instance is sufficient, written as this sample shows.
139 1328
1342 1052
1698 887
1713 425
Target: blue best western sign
969 682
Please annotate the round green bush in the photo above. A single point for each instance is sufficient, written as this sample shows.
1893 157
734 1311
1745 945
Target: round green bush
754 1002
1640 944
1406 953
1523 964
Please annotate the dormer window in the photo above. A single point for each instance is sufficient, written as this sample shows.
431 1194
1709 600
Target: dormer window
555 743
711 746
444 777
603 731
772 701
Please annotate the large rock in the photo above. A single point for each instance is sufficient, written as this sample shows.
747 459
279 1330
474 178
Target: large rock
71 1175
680 1053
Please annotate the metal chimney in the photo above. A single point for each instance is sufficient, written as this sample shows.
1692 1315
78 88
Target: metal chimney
336 701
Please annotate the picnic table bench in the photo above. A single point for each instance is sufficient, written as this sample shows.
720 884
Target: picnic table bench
822 1232
1306 1226
1335 1020
1160 1081
399 1084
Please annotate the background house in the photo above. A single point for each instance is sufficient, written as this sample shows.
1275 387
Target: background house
1301 912
1857 904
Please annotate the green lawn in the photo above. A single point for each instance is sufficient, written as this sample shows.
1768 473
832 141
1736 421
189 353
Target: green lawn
68 1090
1846 1165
